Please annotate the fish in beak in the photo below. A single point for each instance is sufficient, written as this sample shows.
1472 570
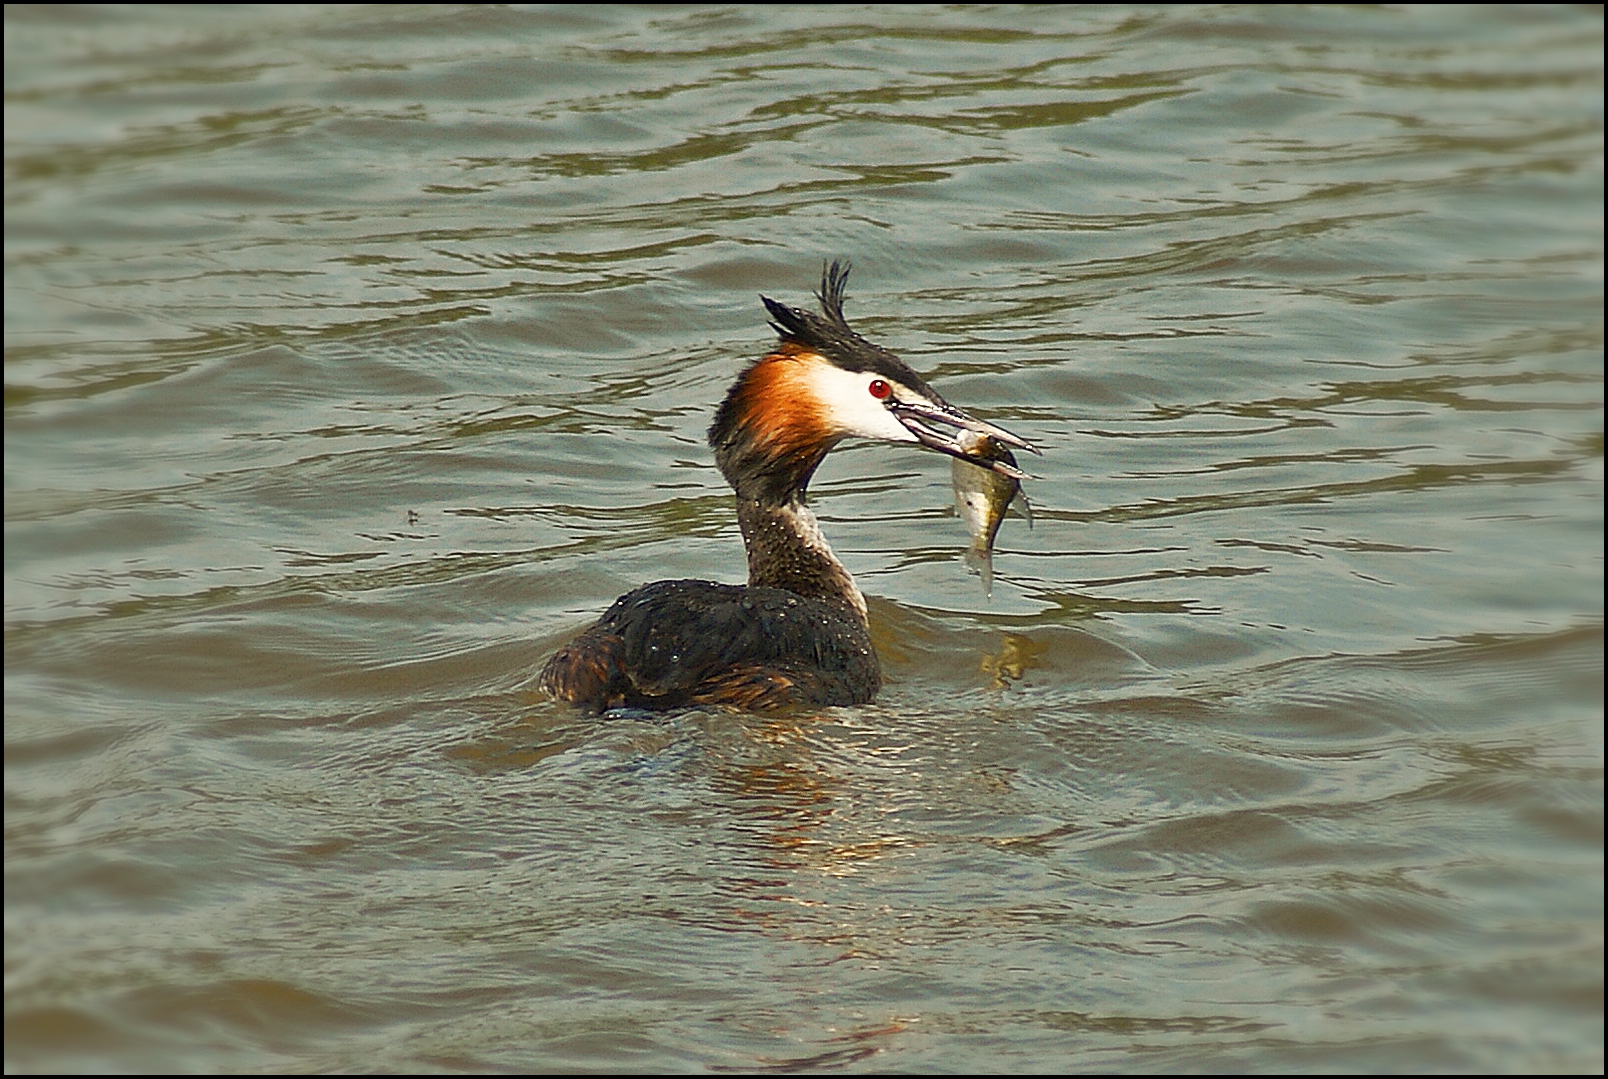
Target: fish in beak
983 495
971 440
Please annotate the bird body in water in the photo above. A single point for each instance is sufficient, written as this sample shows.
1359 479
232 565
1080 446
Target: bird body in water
797 632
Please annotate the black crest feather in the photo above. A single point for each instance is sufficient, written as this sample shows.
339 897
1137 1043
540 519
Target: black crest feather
829 334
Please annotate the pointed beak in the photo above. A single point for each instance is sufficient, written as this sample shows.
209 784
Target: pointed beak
969 440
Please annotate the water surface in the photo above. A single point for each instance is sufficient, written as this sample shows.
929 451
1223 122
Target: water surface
358 356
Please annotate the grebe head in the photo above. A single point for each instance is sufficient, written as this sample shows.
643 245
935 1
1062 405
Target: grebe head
823 383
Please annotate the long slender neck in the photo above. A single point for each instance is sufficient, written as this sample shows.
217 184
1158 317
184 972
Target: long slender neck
786 550
768 451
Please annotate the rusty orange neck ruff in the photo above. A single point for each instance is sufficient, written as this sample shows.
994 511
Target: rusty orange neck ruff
769 436
772 431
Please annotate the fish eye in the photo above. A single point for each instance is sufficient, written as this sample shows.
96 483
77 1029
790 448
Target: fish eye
879 389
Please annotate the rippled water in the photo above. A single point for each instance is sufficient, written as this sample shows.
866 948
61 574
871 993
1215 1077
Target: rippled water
357 356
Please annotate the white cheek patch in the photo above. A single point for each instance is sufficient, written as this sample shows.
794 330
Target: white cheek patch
846 403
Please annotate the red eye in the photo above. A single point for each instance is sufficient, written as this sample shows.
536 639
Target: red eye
879 389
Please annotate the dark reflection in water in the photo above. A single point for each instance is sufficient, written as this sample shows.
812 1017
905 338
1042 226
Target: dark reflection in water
356 357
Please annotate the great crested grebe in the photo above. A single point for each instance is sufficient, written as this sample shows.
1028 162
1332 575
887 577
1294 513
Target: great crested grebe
796 633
